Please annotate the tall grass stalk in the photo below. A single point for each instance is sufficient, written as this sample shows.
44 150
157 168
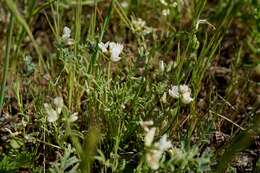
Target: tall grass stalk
103 29
20 19
6 60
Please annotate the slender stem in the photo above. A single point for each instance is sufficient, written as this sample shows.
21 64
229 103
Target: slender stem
6 60
103 29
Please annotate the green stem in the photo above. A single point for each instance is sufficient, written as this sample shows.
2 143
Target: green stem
6 61
103 29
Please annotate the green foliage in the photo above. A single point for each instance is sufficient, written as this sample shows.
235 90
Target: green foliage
189 160
66 163
17 160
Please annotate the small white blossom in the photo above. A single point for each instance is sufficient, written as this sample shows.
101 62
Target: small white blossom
164 144
124 4
103 46
184 89
183 92
148 139
66 33
139 24
166 12
74 117
66 36
174 92
175 4
58 101
186 98
164 2
52 115
115 50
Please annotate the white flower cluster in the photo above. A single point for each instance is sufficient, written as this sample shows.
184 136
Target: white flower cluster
114 49
53 114
66 36
183 92
156 149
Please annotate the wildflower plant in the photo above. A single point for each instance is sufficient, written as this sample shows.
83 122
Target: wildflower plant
155 150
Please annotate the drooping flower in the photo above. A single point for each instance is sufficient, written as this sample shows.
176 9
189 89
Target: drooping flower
52 115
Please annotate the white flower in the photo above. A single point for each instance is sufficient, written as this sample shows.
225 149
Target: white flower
186 98
175 4
183 92
166 12
174 92
66 33
148 139
58 101
153 159
74 117
139 24
66 36
103 46
115 49
184 89
164 2
51 113
164 144
124 4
